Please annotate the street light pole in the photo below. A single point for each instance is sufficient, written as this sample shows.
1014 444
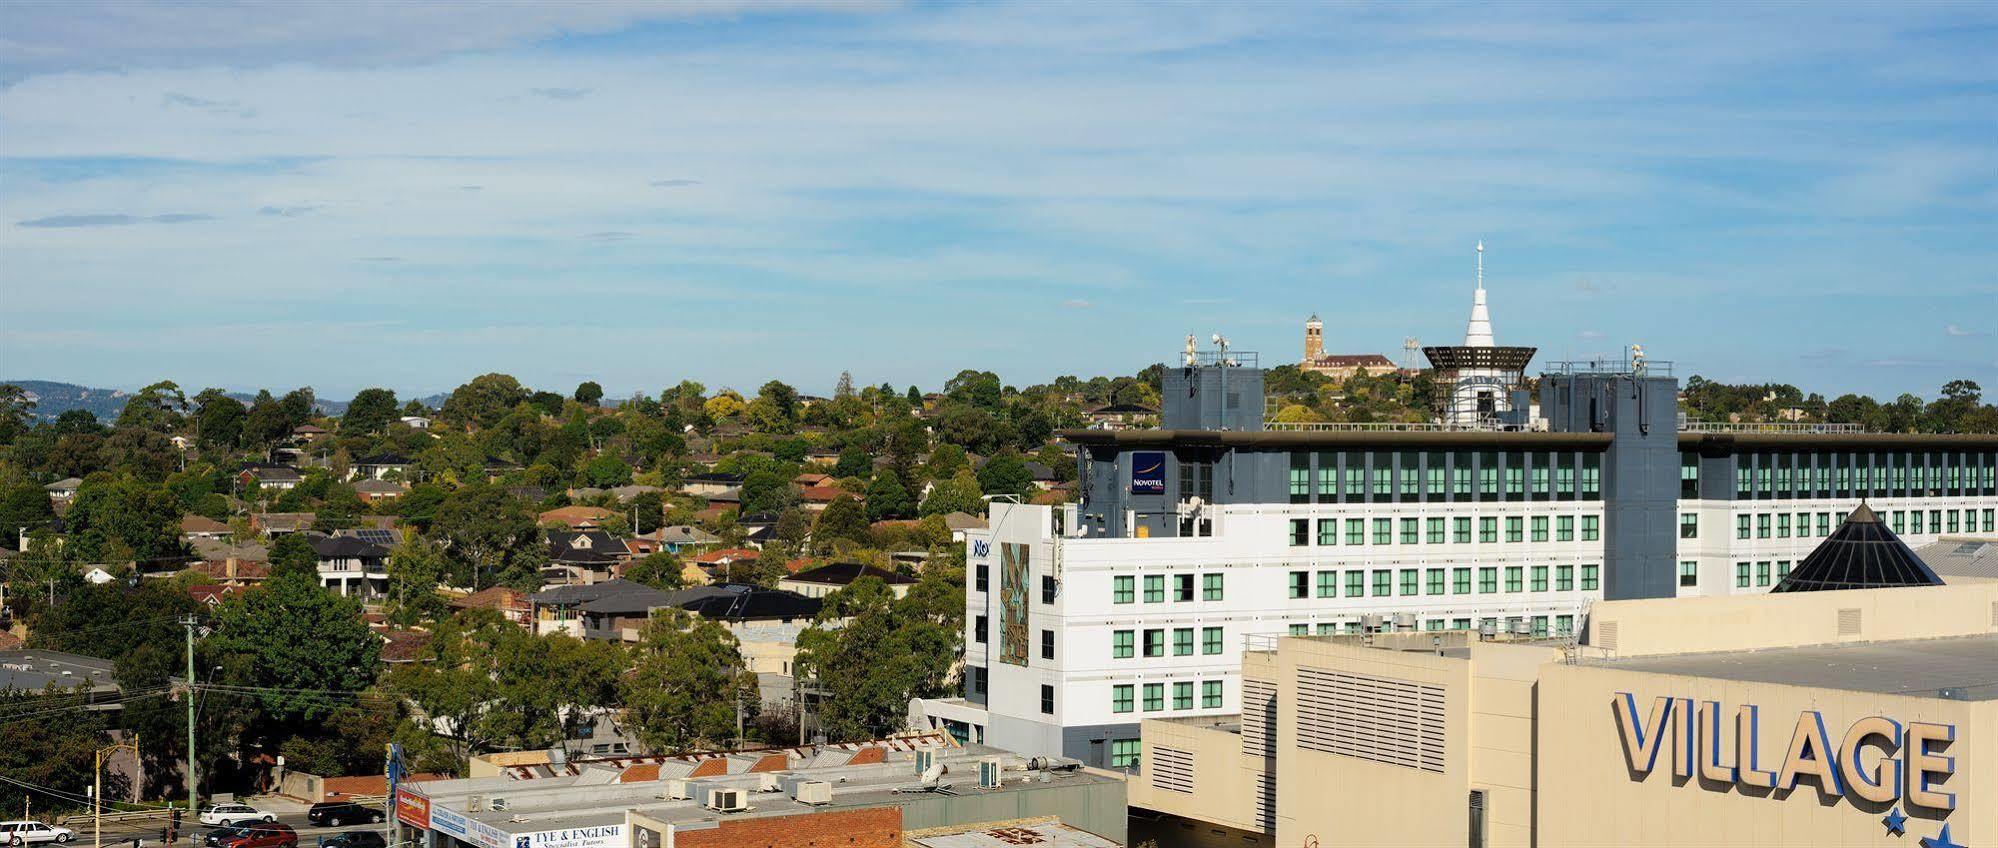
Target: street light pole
189 622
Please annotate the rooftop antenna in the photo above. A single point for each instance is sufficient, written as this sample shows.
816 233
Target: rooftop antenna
1409 345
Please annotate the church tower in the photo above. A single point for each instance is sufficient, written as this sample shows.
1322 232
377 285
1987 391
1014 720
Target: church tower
1314 339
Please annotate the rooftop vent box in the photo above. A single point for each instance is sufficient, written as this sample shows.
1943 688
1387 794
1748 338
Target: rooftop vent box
726 801
766 782
815 792
678 790
925 757
988 773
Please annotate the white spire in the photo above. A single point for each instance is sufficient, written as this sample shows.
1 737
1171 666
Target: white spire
1479 332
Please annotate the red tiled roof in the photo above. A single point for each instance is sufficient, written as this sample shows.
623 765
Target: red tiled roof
823 494
404 645
573 515
725 555
497 597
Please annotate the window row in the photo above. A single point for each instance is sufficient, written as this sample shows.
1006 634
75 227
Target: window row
1760 573
1124 588
1408 476
1784 525
1882 474
1437 530
1386 582
1124 643
1563 625
1123 696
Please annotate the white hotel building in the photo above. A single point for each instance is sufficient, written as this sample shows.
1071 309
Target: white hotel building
1135 603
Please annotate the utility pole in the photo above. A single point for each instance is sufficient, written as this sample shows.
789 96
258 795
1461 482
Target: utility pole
188 620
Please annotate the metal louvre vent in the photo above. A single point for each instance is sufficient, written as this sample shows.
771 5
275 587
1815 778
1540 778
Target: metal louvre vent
1259 717
1606 635
1172 770
1266 803
1399 722
1994 613
1848 622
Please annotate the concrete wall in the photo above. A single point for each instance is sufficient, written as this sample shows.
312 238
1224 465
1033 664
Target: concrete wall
1224 790
1590 796
1752 622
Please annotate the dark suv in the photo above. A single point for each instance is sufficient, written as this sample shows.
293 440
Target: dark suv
341 813
355 839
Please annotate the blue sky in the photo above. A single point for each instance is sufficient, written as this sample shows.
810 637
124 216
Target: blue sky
409 194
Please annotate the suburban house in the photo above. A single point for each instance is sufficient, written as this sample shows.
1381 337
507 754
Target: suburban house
380 467
232 564
306 433
582 556
64 490
765 622
816 498
275 524
416 422
511 603
375 490
194 527
576 517
716 563
810 479
683 539
212 595
709 483
827 579
958 522
278 477
1117 415
561 609
352 565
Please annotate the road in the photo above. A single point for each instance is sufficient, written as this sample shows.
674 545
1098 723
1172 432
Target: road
122 832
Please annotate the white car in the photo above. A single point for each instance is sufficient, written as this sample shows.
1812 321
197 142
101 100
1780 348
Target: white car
30 832
222 814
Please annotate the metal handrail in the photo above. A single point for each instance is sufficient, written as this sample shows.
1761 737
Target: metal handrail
1767 427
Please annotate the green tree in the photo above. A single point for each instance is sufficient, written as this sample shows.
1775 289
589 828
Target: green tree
144 520
17 413
292 553
157 407
369 412
40 748
416 567
853 462
958 494
843 519
295 644
24 507
660 571
886 498
648 511
766 491
266 424
588 393
686 683
1006 474
219 419
488 533
605 471
299 405
882 651
483 401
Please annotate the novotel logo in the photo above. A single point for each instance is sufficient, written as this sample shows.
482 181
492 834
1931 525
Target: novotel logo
1877 759
981 548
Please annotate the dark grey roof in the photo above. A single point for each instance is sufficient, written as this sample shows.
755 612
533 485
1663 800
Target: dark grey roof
372 535
742 602
627 601
603 548
714 477
1863 553
383 459
342 547
845 573
575 595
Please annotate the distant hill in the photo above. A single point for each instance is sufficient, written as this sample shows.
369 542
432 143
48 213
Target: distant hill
53 399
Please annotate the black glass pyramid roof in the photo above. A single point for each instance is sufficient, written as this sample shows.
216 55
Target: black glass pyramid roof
1862 554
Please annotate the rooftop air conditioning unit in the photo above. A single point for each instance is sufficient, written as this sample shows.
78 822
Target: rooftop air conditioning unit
726 801
814 792
989 769
925 758
498 805
475 804
678 790
1372 623
1404 621
766 782
1522 627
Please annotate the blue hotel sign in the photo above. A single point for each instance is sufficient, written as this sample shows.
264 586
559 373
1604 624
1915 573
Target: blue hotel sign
1148 472
1878 760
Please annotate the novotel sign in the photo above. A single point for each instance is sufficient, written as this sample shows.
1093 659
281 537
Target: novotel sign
1876 759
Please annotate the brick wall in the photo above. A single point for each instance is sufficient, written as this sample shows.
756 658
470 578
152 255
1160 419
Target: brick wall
870 827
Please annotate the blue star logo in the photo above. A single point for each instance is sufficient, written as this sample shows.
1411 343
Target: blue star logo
1897 824
1941 840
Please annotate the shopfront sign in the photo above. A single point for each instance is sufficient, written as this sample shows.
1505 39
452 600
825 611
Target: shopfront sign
601 836
412 809
449 821
1876 759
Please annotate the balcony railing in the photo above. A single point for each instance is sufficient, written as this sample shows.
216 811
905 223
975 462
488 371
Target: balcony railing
1766 427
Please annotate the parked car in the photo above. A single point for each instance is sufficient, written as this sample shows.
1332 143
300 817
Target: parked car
355 839
215 838
341 813
265 835
221 814
31 832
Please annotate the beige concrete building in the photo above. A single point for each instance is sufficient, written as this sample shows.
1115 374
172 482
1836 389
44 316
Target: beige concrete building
1839 718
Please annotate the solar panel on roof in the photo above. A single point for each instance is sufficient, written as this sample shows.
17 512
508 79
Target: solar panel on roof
376 536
